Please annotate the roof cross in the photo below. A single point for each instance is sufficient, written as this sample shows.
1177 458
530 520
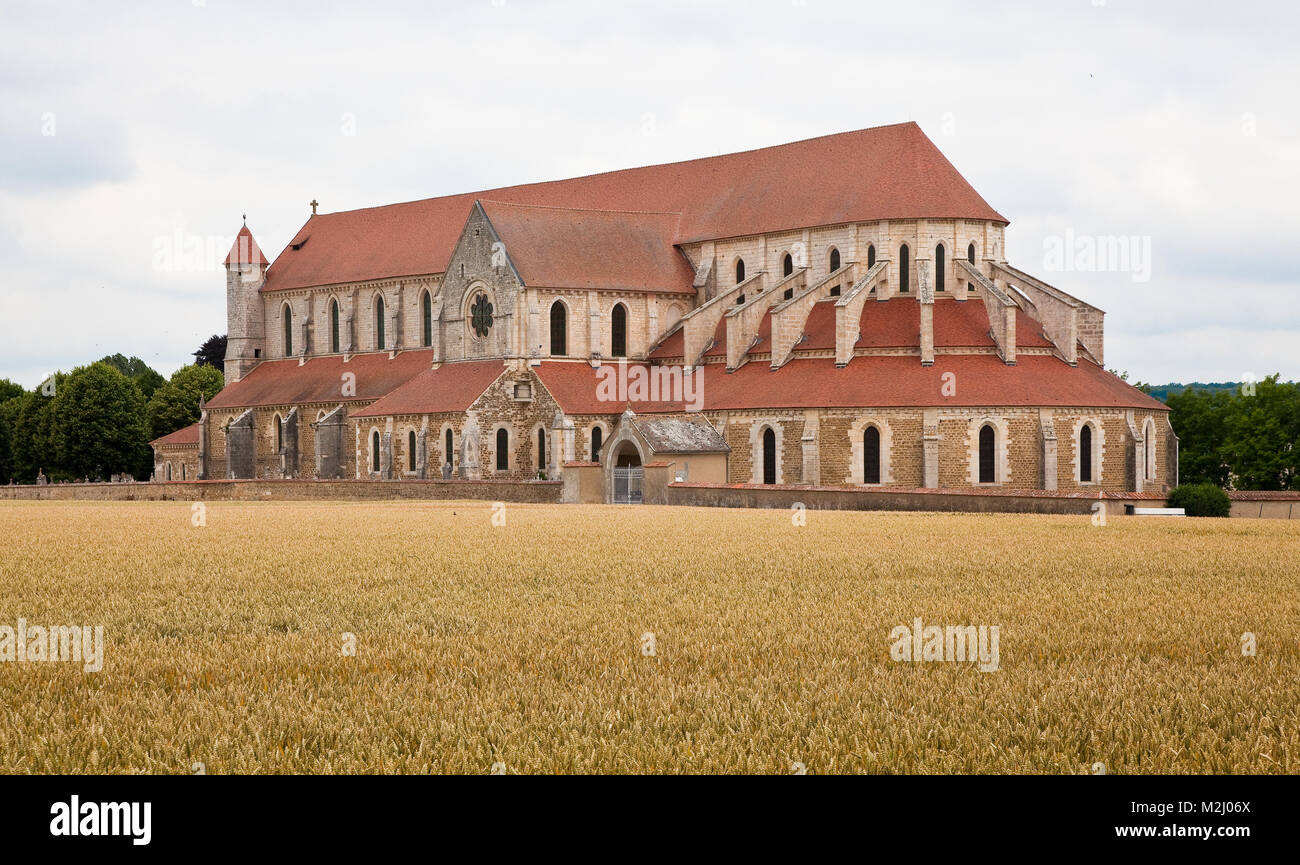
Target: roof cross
314 205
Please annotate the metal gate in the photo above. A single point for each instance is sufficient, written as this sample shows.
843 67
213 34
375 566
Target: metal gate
627 484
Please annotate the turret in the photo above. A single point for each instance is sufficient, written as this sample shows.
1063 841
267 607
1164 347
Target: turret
245 333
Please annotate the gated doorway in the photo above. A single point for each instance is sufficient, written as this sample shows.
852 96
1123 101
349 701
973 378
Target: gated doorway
629 475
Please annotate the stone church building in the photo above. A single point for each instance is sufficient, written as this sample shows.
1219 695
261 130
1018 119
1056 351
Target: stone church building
837 312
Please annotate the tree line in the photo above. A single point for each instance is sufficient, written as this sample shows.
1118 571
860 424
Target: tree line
1243 438
97 420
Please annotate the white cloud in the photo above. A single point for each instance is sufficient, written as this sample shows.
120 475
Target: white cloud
1118 119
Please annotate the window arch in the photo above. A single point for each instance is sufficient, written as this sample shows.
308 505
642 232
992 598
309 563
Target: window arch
904 269
970 253
740 270
597 439
426 319
559 329
379 323
1085 454
618 331
835 259
169 471
871 455
1149 450
939 263
334 326
541 449
288 330
374 450
410 450
183 471
769 456
787 265
279 434
503 450
987 457
871 255
447 448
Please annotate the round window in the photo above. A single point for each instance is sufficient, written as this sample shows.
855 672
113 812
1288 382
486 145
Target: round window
480 315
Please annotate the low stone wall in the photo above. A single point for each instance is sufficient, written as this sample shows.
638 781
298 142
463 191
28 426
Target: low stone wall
1265 505
860 499
292 490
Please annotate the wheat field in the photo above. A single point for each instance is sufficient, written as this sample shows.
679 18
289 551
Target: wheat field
525 647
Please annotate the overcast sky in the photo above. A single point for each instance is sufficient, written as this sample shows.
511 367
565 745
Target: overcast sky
134 134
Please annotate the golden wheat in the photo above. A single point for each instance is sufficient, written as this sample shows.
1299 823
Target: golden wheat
522 644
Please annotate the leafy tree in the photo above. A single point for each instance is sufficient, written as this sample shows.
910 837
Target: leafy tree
212 353
31 437
145 377
99 422
9 390
1260 435
1200 500
1198 417
176 403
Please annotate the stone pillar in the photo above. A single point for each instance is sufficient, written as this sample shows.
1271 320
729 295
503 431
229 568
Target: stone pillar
811 451
422 450
926 296
1050 460
469 449
930 442
289 453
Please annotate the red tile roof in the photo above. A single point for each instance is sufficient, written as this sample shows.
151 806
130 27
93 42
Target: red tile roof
283 382
672 346
245 249
896 323
889 172
875 381
185 436
558 247
449 388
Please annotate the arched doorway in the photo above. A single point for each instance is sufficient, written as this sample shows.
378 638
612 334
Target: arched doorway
629 475
769 456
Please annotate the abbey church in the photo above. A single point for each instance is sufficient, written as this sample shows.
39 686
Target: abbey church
832 312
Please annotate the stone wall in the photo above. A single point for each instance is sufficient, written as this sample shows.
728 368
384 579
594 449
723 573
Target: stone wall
293 490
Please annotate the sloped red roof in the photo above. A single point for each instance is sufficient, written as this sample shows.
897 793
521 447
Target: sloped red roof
672 346
560 247
245 249
896 323
186 435
321 379
875 381
888 172
450 387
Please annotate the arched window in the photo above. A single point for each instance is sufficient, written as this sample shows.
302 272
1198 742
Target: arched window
410 450
787 265
374 451
871 255
503 449
987 438
169 471
904 269
288 331
447 449
835 260
559 329
740 270
769 456
183 471
334 326
618 331
938 267
426 320
871 455
970 253
1149 450
596 436
279 434
541 449
379 323
1085 454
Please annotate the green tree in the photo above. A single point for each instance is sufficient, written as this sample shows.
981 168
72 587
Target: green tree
212 352
176 403
145 376
1260 435
99 422
31 436
1198 417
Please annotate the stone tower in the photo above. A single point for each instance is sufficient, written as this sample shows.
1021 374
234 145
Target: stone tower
245 333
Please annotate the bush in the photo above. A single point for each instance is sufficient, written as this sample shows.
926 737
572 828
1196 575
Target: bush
1200 500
